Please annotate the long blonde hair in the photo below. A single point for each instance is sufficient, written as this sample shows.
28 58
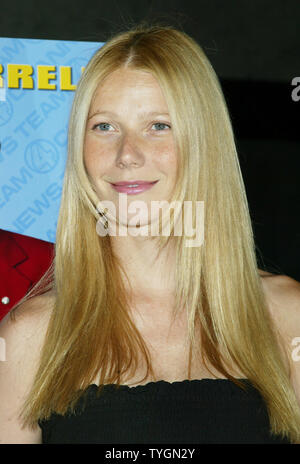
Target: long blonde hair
218 282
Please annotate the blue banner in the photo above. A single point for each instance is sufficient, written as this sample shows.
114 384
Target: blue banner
37 83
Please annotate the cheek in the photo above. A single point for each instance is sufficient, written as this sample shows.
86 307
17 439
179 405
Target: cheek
94 158
166 160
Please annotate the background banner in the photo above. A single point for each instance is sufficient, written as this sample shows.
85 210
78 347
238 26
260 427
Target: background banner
37 83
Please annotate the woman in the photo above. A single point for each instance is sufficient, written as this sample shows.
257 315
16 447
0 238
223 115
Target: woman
196 340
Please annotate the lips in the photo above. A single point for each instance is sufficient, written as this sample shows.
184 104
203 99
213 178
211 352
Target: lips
133 182
133 187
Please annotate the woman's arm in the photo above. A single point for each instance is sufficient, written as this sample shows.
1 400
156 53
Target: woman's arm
20 352
283 298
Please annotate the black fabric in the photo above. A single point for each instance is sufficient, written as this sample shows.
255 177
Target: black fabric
190 411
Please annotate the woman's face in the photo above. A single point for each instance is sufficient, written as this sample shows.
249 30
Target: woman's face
128 138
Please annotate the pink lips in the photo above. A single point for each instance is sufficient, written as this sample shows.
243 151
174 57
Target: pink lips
140 186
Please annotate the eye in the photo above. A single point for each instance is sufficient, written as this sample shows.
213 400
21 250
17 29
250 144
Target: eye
102 126
161 125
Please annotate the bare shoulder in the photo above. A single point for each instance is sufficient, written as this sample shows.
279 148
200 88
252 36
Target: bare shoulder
23 336
283 299
24 328
30 317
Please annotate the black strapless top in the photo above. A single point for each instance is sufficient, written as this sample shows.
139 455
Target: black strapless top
188 411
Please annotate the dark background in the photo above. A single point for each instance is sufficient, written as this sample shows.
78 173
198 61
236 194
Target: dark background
254 47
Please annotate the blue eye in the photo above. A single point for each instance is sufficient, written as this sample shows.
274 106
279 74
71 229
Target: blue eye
160 124
100 126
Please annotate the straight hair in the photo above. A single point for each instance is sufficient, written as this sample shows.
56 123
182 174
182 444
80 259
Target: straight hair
90 331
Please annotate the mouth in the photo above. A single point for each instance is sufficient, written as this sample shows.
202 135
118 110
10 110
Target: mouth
133 187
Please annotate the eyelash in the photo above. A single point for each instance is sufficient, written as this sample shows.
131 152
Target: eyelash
161 123
155 123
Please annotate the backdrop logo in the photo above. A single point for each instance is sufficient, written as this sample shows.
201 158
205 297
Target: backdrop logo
6 112
37 83
41 156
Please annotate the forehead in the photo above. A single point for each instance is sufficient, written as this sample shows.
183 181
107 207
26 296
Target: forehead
127 83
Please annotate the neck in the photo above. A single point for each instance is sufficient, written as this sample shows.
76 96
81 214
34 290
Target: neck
150 274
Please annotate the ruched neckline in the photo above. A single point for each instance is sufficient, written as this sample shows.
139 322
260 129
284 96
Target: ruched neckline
160 387
198 411
166 382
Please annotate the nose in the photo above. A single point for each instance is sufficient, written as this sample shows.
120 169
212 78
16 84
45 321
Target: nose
129 152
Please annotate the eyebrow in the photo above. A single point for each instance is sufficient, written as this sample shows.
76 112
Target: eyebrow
143 114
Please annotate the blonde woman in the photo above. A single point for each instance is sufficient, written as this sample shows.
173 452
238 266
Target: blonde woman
140 338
